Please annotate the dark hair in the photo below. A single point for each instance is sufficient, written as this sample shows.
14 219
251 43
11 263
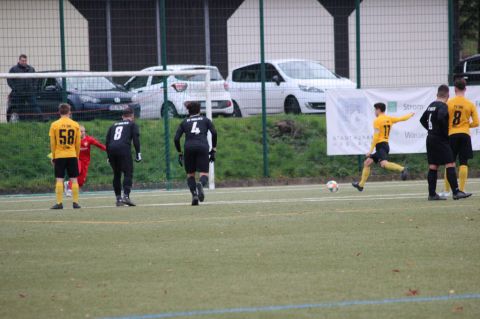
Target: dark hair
64 108
193 108
460 84
443 91
380 106
128 112
22 56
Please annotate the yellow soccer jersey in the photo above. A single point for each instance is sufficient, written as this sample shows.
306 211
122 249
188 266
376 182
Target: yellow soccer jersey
65 138
382 126
460 110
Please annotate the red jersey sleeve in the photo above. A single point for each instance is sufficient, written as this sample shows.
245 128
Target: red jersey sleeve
95 142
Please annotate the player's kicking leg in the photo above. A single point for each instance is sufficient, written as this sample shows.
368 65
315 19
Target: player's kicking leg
365 174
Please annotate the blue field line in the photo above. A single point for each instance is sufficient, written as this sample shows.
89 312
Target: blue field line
336 304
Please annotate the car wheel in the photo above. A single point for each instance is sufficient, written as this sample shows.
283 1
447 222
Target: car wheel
236 110
171 110
13 117
292 106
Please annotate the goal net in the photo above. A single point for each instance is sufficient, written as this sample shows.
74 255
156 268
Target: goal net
158 99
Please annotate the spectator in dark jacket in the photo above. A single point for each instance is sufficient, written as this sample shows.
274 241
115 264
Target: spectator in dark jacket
23 96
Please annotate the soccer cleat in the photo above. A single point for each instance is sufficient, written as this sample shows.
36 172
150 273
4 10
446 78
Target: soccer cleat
120 203
67 191
126 200
461 195
76 206
357 186
436 197
404 174
201 194
195 200
57 206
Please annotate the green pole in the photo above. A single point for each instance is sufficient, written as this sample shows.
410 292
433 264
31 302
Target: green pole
264 100
450 42
62 49
357 58
166 121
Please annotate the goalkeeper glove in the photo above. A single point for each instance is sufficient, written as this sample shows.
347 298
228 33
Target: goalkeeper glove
180 159
138 158
212 156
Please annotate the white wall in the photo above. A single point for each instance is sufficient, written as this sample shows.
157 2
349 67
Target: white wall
32 27
403 43
293 29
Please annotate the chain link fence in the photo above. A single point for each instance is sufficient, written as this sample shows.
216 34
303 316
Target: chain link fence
270 61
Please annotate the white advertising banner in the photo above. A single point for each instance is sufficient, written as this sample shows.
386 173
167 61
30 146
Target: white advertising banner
350 117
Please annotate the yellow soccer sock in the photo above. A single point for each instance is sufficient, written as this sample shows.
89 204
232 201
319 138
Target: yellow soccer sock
394 167
365 174
75 191
59 192
447 185
462 177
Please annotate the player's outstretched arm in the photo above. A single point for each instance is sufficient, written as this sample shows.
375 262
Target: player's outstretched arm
402 118
97 143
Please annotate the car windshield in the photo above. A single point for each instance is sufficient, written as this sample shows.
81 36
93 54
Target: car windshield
89 84
305 70
214 75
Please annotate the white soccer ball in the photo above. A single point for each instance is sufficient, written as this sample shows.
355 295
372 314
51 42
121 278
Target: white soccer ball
332 186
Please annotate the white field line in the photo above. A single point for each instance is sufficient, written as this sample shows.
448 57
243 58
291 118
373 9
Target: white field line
244 190
257 201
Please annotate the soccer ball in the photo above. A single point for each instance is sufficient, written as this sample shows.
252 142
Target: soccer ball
332 186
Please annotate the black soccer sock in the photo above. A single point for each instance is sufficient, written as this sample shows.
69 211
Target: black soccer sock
204 180
432 182
192 184
452 179
117 184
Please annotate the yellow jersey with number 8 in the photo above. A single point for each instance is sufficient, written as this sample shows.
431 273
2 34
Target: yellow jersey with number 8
65 138
460 110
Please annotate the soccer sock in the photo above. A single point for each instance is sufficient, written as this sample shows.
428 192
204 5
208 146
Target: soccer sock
365 174
447 185
75 191
452 179
59 192
394 167
192 184
204 180
432 182
462 176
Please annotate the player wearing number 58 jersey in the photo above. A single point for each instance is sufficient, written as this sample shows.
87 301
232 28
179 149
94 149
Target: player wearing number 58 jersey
463 115
382 127
65 147
118 142
197 155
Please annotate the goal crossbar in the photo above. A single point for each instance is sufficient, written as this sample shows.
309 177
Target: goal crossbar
109 74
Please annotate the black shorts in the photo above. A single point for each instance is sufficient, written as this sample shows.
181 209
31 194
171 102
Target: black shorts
197 159
121 162
68 164
461 145
439 151
381 152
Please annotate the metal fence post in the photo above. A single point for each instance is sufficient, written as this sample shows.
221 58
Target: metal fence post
62 49
357 59
264 100
450 42
165 94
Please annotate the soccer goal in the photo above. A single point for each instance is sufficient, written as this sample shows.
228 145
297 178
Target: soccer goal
154 95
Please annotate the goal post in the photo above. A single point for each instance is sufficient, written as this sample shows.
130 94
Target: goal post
118 104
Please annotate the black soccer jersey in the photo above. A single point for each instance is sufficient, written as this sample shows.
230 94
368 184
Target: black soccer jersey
120 137
435 119
195 129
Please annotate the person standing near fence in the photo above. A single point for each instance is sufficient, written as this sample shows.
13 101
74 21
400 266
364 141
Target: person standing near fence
197 155
65 146
119 149
24 90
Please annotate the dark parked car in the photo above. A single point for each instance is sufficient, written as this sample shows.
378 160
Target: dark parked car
469 69
90 98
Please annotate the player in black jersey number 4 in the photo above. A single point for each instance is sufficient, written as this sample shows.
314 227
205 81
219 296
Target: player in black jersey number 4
197 155
439 152
118 143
